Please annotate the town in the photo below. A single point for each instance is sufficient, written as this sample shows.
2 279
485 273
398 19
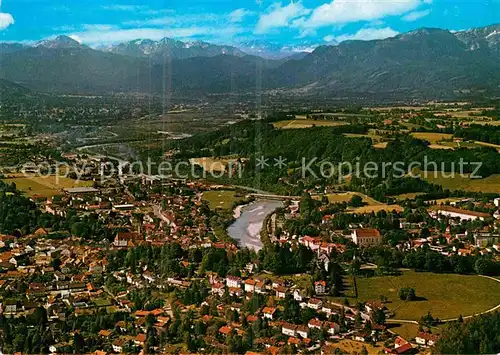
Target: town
143 264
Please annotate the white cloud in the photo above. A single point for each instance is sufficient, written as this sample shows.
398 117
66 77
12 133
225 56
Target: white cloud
239 14
125 7
178 20
280 16
415 15
347 11
365 34
98 27
5 20
76 38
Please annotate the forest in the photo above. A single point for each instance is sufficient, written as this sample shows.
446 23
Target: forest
479 335
488 134
257 139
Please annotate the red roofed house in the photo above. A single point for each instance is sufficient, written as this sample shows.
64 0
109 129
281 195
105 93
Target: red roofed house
315 323
401 346
250 285
314 303
399 350
333 328
225 330
269 312
140 339
124 239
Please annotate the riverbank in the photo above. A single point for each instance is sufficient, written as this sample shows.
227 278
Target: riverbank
249 221
237 210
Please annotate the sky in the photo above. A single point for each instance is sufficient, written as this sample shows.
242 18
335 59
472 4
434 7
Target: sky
297 23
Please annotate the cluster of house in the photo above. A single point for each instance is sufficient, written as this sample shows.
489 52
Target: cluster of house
163 219
300 334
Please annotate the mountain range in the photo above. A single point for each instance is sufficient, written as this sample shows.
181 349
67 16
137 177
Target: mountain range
171 48
427 61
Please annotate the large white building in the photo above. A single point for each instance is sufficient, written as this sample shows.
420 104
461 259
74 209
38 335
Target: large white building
464 215
366 237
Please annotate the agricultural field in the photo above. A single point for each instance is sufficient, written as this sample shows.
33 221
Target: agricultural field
211 164
46 186
444 201
355 347
433 138
439 146
487 122
378 208
381 145
306 123
221 199
444 295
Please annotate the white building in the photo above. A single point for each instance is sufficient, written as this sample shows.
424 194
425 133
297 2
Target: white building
289 329
314 303
366 237
497 201
233 281
250 285
463 215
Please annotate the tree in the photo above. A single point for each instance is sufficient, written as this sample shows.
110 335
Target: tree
407 294
78 343
379 316
484 266
356 201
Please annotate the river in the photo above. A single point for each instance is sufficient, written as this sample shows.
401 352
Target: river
246 229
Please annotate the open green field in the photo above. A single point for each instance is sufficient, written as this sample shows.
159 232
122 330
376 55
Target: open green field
371 204
371 134
406 330
457 145
490 145
410 196
306 123
346 197
444 295
45 186
490 184
220 199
